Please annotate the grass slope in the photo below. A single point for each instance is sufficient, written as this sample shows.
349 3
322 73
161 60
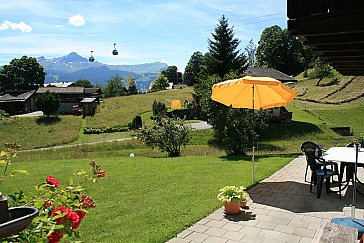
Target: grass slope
148 199
121 110
33 132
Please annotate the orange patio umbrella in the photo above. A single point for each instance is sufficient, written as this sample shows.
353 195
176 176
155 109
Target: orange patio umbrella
253 93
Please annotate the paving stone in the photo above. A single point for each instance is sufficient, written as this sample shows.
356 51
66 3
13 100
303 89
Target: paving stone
266 225
200 228
311 219
215 223
178 240
214 239
306 240
184 233
284 229
197 237
232 226
298 224
232 235
249 238
304 232
250 230
203 221
289 238
269 234
215 231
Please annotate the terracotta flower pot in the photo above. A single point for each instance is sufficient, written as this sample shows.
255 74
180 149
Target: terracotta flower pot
232 207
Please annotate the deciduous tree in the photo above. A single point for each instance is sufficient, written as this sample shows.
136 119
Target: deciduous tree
114 87
22 74
160 83
278 49
83 83
48 103
193 68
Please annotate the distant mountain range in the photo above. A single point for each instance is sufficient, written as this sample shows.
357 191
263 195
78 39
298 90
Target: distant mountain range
73 67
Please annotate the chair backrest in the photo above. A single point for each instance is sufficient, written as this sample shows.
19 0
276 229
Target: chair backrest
311 145
352 144
312 152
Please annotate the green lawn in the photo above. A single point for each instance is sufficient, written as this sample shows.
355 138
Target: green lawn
149 199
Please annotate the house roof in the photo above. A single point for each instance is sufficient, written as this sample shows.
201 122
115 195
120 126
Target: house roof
59 84
88 100
16 96
92 90
269 72
61 90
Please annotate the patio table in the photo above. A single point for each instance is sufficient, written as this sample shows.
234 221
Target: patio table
346 155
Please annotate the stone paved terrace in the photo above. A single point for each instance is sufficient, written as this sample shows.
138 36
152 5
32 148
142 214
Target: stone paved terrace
285 211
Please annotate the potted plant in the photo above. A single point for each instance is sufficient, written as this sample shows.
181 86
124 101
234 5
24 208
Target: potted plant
231 197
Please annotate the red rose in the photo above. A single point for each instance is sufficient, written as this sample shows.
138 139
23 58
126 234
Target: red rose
52 181
55 237
70 215
102 173
80 215
48 204
87 201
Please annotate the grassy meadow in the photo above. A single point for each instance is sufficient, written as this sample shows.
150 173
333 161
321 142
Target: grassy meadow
151 198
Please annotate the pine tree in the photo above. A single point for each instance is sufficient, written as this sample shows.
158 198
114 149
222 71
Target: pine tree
223 56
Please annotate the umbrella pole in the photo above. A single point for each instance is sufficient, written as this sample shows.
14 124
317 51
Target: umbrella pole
253 138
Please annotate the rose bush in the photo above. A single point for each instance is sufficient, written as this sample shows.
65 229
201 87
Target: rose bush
61 208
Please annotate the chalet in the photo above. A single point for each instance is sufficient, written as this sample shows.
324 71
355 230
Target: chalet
269 72
93 93
17 101
69 96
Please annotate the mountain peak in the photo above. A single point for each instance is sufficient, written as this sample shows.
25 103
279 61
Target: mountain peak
72 57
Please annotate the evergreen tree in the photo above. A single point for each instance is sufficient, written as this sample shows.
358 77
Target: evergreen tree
132 88
223 55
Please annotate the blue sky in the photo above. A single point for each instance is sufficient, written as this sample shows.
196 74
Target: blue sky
144 31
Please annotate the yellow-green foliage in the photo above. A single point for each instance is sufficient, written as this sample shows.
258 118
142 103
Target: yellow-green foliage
33 132
121 110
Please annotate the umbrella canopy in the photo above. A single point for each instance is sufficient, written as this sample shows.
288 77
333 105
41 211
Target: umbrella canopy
252 93
238 93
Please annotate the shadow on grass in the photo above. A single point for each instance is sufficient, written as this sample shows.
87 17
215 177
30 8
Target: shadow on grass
287 130
45 120
257 157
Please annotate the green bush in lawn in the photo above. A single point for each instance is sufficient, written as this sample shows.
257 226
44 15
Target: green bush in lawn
168 135
48 103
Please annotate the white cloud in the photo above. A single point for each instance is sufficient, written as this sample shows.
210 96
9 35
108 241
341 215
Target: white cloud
76 20
23 27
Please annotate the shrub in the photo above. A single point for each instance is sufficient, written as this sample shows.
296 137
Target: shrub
136 123
168 135
3 114
48 103
159 111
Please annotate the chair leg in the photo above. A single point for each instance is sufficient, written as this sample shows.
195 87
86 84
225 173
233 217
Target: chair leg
340 179
311 182
319 185
327 185
306 173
